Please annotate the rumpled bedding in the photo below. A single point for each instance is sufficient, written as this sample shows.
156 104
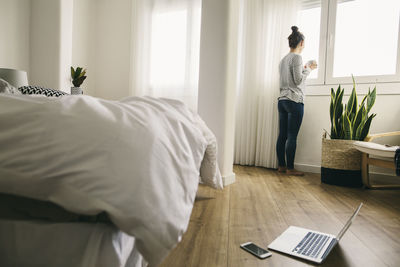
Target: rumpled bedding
138 159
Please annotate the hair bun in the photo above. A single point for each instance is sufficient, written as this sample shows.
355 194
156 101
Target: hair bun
295 29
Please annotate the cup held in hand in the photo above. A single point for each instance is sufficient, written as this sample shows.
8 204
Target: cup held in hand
311 62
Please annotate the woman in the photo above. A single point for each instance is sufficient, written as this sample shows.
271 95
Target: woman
291 101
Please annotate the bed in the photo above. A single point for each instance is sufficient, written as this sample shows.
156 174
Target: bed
122 174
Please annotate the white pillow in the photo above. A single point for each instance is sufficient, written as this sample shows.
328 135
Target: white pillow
7 88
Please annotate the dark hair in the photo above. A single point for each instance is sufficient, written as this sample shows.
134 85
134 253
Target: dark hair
295 38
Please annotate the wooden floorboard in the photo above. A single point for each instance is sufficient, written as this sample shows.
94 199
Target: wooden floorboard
262 203
206 240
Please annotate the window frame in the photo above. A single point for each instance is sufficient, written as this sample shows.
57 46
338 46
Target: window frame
326 53
322 44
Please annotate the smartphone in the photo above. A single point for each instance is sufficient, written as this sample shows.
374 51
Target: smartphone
255 250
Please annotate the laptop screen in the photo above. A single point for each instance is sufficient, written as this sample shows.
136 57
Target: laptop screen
349 222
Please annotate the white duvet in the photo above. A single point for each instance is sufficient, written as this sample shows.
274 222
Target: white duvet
138 159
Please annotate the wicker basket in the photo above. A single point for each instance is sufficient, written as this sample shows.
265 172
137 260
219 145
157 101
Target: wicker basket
340 163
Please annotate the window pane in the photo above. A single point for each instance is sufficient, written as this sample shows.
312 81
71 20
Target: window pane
168 49
366 37
309 24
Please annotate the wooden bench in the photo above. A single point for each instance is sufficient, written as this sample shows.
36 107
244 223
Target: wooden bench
385 160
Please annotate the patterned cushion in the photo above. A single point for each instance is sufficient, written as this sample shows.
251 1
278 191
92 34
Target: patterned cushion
37 90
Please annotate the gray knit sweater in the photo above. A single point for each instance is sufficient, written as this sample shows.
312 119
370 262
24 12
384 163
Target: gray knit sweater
292 78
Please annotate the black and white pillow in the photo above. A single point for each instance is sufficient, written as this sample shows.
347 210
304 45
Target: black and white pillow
37 90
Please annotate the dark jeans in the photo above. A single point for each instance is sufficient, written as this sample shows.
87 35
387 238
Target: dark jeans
290 118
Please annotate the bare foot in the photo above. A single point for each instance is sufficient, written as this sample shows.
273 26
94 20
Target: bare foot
281 169
294 172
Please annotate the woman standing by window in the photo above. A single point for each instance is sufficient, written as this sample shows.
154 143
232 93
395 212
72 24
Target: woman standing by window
291 101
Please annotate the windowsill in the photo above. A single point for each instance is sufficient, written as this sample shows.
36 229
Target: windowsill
382 88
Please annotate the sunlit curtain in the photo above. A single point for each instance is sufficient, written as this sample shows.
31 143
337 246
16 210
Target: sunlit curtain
265 26
165 49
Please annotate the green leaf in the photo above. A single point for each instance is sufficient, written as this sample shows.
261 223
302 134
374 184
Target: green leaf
333 133
78 72
332 109
359 130
83 73
366 127
77 82
338 111
357 122
348 133
362 102
350 104
331 106
337 95
371 99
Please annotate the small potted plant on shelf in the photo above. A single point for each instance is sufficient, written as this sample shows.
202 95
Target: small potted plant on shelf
340 161
77 78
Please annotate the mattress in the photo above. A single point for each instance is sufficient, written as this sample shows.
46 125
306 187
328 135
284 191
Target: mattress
26 243
14 207
41 233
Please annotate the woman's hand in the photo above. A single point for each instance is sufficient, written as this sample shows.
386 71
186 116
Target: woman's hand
312 64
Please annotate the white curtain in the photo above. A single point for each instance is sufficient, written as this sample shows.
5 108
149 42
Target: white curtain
165 43
265 26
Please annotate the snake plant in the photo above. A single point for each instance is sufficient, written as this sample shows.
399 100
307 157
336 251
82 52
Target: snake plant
351 122
78 76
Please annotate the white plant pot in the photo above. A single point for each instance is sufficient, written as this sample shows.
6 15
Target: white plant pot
76 91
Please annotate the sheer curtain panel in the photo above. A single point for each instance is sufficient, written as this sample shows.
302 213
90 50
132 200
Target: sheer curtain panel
165 43
265 26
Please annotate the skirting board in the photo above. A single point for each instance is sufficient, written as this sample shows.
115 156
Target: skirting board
228 179
375 176
308 168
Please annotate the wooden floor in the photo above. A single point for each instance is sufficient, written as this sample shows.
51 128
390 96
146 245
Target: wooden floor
261 204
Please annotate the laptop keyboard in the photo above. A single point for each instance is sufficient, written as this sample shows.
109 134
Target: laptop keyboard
311 244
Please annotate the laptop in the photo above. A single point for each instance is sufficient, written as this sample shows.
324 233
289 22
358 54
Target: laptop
308 244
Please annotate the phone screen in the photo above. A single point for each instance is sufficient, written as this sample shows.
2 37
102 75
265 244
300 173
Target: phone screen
255 249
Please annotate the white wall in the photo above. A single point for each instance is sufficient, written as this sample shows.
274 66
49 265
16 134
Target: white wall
84 42
216 98
51 43
65 36
44 49
14 28
113 30
101 43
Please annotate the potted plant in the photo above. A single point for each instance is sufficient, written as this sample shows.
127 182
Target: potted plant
77 77
340 161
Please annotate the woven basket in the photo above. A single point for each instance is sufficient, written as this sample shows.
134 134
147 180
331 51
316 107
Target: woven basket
340 154
340 163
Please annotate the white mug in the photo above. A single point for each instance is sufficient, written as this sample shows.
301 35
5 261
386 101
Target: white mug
310 62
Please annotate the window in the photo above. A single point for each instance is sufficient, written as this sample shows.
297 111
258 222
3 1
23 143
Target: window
172 59
358 37
309 21
168 49
366 45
